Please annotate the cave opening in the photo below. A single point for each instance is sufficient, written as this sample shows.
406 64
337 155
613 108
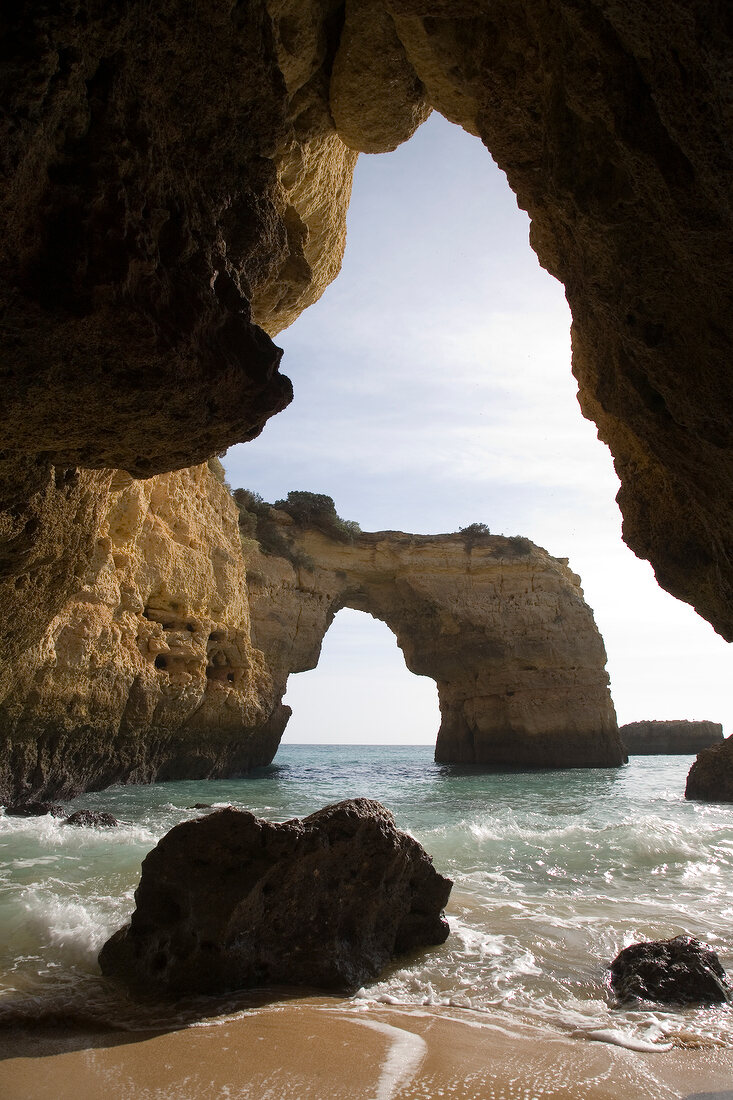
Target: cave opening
433 390
361 692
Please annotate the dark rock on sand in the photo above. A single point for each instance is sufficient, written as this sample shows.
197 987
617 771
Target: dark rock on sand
710 778
92 818
229 900
677 971
35 809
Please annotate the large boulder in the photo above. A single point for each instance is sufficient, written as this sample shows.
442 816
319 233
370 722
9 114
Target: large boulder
677 971
710 778
230 900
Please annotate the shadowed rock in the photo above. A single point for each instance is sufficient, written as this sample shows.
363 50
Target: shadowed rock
35 809
710 778
92 818
669 738
677 971
229 901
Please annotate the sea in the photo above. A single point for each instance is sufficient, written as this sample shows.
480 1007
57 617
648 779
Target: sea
554 872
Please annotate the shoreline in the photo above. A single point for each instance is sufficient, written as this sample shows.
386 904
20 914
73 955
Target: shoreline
315 1049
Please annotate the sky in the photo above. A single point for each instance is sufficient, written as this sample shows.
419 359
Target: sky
433 390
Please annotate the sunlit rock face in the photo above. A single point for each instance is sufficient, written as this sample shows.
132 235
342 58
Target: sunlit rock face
499 624
174 180
148 671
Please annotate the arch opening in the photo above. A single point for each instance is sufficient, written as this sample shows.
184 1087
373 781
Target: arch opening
361 691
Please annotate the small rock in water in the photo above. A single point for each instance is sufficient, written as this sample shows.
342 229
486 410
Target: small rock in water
229 900
35 809
710 778
91 818
200 806
677 971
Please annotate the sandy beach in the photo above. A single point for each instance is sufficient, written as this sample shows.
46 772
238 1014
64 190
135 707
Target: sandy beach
316 1049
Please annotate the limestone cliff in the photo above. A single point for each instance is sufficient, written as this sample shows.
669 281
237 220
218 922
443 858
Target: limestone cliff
170 660
148 672
177 175
499 624
670 738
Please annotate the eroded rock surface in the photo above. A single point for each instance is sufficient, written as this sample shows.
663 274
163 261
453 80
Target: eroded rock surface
148 671
325 902
670 738
177 175
498 623
678 971
710 778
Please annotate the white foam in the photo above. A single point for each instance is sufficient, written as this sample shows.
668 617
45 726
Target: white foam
623 1039
404 1057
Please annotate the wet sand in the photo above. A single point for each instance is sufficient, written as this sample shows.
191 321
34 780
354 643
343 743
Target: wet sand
315 1050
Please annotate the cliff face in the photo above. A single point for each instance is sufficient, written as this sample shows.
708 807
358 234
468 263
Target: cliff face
500 625
171 659
177 175
670 738
148 672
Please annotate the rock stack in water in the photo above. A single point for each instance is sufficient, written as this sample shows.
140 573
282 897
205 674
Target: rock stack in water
710 778
669 738
229 901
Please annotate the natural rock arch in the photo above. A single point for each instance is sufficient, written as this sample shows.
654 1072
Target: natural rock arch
175 172
499 624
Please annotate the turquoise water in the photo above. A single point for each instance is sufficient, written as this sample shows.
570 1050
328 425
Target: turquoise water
554 873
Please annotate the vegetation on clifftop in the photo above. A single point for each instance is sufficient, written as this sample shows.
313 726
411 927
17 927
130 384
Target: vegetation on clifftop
319 511
314 510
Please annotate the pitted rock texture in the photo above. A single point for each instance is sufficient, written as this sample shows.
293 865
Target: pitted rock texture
710 778
679 971
148 671
49 520
499 624
669 738
325 902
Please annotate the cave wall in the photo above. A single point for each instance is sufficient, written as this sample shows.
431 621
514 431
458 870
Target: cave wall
498 623
148 671
173 185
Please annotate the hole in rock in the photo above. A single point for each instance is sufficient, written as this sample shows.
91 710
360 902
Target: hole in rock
434 390
161 661
361 692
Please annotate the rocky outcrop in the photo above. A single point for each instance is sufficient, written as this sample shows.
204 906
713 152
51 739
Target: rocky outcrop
499 624
171 659
669 738
173 175
148 671
325 902
710 778
679 971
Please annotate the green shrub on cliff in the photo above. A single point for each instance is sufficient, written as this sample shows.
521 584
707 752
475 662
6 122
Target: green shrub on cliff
319 511
217 469
519 546
255 523
473 533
